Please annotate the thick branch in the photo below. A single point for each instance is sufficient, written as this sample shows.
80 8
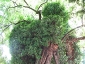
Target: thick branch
67 34
76 39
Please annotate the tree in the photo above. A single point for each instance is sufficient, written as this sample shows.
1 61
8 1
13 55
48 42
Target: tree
32 35
27 42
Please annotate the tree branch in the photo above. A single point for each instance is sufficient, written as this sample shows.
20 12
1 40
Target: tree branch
71 31
6 26
14 2
16 6
42 4
25 7
30 8
76 39
26 2
36 11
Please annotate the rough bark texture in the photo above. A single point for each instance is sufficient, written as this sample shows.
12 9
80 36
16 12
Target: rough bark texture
47 53
51 51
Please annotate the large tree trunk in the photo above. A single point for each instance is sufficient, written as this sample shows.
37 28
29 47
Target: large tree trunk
48 53
51 51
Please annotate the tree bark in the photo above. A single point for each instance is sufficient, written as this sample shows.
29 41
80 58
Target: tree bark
70 52
48 53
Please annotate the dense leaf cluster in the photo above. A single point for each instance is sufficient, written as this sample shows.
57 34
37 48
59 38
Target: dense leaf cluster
55 9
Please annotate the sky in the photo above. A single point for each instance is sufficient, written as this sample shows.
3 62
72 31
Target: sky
5 52
1 13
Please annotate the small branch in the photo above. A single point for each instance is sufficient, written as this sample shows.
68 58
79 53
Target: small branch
26 2
7 26
36 11
25 7
71 31
42 4
14 2
15 6
30 8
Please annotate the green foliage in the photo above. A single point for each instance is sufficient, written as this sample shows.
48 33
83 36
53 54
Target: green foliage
28 36
23 60
78 54
55 27
25 38
4 0
55 9
73 0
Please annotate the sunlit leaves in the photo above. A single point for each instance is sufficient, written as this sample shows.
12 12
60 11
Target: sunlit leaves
5 0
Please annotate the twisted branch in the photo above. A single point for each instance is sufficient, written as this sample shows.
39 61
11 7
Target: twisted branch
67 34
76 39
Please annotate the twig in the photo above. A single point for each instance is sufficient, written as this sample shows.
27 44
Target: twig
71 31
14 2
25 7
36 11
15 6
30 8
42 4
7 26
